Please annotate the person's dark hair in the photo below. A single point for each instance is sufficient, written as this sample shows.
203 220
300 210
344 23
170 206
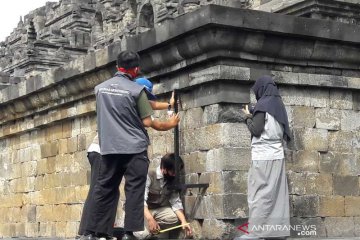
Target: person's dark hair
168 162
128 60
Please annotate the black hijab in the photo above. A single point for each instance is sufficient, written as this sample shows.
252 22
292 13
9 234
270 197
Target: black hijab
269 100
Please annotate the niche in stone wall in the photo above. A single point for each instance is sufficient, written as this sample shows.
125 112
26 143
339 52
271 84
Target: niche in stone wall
146 18
97 33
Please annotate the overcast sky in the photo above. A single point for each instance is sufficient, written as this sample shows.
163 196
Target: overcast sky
11 10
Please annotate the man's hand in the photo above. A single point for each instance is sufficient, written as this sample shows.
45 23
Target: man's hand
246 109
174 119
153 226
187 229
172 100
147 122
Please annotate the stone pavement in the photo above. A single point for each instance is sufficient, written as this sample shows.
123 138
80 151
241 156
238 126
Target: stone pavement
340 238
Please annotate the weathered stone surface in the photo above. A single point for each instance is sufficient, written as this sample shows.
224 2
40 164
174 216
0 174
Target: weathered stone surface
340 163
310 183
332 206
311 139
193 208
219 72
215 136
342 141
328 162
303 117
25 154
296 182
72 144
350 120
75 126
318 98
195 162
306 206
341 99
212 93
329 80
220 206
352 206
294 96
81 142
346 185
328 119
29 168
49 149
228 159
285 77
193 118
63 146
357 226
235 181
215 229
304 161
158 146
235 206
214 179
321 184
31 229
223 113
339 227
356 101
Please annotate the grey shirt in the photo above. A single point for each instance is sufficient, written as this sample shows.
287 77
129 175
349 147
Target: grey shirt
120 127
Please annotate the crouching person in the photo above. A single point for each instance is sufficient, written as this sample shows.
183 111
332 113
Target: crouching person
162 207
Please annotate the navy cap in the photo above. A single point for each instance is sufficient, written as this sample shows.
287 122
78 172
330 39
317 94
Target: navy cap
148 87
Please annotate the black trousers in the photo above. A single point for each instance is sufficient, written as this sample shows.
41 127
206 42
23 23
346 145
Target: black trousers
105 195
94 160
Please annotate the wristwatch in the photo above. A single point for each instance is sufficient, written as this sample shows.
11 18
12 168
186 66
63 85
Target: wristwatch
169 106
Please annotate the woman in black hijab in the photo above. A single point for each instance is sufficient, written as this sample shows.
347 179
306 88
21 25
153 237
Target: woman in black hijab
269 100
268 195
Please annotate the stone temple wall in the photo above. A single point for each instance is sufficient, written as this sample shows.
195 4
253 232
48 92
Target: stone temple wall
346 11
61 31
212 55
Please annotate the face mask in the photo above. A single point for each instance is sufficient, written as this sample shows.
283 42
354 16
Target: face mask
134 72
168 178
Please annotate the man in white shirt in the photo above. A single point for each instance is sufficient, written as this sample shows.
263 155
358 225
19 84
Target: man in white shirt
162 206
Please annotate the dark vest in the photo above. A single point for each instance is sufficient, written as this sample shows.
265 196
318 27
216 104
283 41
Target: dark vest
120 127
158 196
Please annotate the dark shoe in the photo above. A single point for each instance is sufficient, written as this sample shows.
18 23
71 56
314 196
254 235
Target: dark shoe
128 237
88 237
